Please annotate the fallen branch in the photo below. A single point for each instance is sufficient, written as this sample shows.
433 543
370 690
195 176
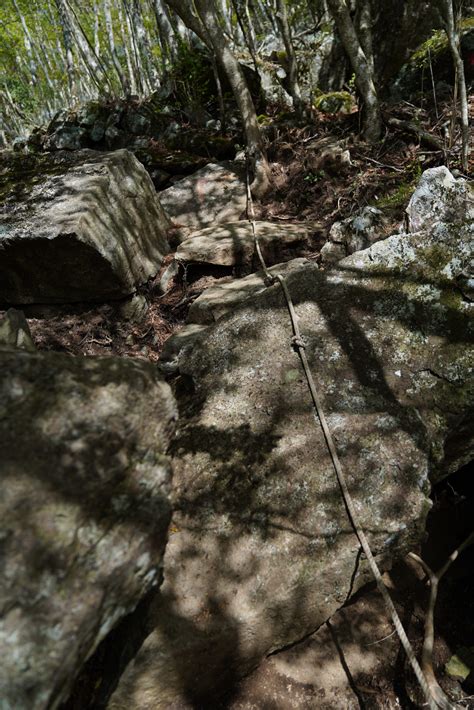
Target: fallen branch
428 643
424 136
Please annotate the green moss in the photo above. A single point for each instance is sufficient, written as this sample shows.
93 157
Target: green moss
451 299
437 44
436 257
334 102
398 198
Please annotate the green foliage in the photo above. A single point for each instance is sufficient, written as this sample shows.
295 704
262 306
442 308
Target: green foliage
436 45
461 664
314 177
191 78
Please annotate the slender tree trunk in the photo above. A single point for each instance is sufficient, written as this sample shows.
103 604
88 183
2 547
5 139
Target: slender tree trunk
206 26
68 48
128 56
241 93
247 33
293 85
96 28
364 75
145 56
109 28
364 31
28 45
165 32
454 44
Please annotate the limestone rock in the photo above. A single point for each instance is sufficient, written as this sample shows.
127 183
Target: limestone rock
218 300
82 226
353 234
262 551
15 332
83 511
213 194
232 244
439 197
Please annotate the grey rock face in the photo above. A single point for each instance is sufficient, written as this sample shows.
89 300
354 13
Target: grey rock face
80 227
83 511
262 551
67 138
214 194
15 332
353 234
232 244
439 197
218 300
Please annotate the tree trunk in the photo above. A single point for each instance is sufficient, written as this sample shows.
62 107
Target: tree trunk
207 28
293 85
112 48
243 98
68 48
165 32
454 44
364 31
364 74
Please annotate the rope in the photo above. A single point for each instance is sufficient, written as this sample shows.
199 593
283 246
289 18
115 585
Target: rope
299 344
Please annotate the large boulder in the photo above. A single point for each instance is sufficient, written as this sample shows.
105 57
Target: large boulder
216 193
233 244
439 197
262 551
81 226
83 511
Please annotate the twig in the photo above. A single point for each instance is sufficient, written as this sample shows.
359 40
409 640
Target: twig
433 84
377 162
372 643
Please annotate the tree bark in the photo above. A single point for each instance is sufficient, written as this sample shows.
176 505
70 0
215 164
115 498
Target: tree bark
243 98
364 74
293 85
454 44
112 48
206 26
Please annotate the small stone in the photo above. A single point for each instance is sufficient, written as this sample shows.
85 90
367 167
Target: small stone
15 332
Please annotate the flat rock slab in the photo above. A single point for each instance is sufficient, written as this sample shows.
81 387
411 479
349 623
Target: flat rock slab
82 226
213 194
232 244
262 551
84 511
218 300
